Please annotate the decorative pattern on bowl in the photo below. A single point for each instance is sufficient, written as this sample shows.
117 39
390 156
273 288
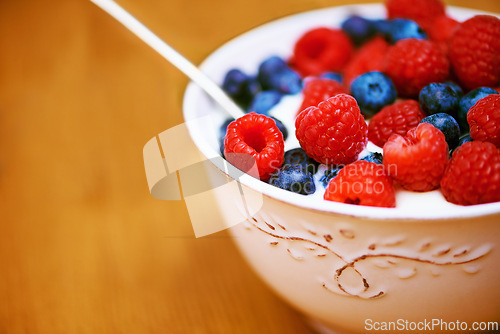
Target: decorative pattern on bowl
386 254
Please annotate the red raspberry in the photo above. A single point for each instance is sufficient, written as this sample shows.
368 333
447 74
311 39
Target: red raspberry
421 11
442 28
417 161
414 63
362 183
320 50
369 57
257 140
473 174
474 51
334 132
317 90
484 119
398 118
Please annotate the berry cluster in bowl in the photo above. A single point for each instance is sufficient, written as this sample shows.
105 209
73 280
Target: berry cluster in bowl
408 102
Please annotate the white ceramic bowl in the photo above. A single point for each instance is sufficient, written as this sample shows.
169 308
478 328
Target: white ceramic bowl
349 268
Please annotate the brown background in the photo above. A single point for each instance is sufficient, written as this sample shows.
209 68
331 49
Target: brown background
84 248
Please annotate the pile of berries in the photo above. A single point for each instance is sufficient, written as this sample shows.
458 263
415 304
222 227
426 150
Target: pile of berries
419 86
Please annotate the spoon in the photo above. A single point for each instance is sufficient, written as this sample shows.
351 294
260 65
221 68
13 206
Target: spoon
170 54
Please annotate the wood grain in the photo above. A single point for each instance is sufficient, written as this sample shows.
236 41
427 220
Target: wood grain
84 248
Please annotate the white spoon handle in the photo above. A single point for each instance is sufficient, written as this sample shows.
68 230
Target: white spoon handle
171 55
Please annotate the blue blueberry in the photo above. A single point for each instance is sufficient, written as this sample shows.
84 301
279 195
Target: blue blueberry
375 157
252 87
333 75
298 157
268 67
329 174
275 74
264 101
358 28
223 127
467 101
464 139
373 91
281 127
293 178
234 81
403 28
382 26
240 86
453 85
438 98
288 82
448 126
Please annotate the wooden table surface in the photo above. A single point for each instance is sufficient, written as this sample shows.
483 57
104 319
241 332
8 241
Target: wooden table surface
84 248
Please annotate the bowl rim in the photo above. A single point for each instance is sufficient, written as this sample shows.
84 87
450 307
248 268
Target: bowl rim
193 95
